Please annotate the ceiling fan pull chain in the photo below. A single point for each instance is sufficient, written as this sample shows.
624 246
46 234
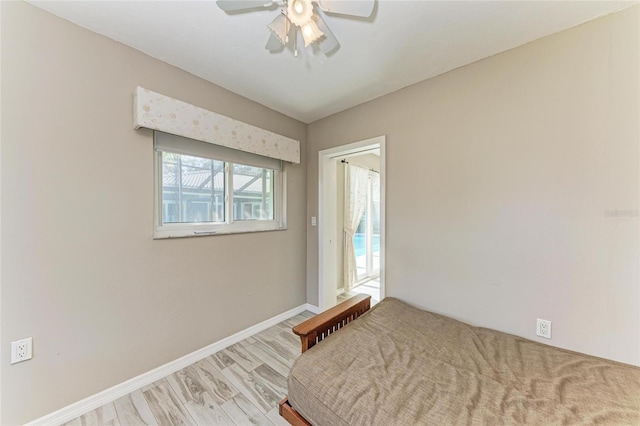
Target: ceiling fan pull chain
295 41
286 25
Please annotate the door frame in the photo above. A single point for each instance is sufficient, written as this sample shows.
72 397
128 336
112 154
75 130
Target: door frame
327 226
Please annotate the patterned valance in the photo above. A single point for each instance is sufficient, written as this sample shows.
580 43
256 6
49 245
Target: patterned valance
158 112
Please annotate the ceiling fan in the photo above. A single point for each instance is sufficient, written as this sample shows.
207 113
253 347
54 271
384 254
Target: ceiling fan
303 16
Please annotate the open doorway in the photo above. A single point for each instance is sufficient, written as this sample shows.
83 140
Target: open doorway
358 218
351 222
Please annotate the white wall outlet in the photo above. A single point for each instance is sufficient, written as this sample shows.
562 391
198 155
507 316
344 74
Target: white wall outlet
21 350
313 221
543 328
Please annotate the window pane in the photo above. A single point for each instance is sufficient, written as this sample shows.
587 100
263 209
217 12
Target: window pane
192 189
252 193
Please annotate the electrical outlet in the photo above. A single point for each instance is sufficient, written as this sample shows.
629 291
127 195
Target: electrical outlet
543 328
21 350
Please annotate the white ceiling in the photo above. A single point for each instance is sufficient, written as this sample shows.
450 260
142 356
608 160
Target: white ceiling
403 43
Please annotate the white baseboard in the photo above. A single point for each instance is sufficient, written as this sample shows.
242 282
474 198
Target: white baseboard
312 308
92 402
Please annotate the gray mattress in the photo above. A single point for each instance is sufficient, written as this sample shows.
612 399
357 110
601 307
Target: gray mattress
398 365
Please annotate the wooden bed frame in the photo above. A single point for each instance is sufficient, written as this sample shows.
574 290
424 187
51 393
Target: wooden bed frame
314 330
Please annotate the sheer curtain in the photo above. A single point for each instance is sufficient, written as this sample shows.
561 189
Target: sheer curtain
355 202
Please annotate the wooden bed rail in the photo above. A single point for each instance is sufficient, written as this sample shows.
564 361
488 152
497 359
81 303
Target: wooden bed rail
321 326
291 415
317 328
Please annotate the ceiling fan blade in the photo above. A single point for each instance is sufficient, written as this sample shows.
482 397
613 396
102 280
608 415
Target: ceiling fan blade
329 43
239 5
362 8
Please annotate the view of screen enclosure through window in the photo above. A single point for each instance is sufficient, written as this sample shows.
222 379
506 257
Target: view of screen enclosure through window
193 190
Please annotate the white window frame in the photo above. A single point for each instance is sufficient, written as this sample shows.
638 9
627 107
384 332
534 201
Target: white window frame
229 226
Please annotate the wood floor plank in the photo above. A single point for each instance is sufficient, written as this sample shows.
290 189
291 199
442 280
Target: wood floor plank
165 405
222 359
105 415
249 340
243 412
217 385
290 323
286 333
109 416
207 412
275 418
242 357
91 419
186 383
265 354
113 422
286 337
256 391
293 321
133 409
153 385
267 376
279 346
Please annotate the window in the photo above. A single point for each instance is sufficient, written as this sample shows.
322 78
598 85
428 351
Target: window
205 189
253 193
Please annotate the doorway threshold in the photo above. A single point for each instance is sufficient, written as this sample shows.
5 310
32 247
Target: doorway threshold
371 287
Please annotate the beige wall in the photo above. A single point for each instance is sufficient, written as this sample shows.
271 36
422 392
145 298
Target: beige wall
499 177
81 273
370 161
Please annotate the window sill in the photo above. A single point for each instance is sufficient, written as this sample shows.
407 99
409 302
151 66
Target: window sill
164 234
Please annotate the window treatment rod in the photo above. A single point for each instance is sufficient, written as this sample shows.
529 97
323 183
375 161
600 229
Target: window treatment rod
370 169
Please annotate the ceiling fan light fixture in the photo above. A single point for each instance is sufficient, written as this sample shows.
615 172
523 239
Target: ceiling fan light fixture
310 32
280 27
303 15
299 12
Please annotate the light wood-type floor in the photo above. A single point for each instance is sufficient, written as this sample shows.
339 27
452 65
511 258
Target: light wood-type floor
240 385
